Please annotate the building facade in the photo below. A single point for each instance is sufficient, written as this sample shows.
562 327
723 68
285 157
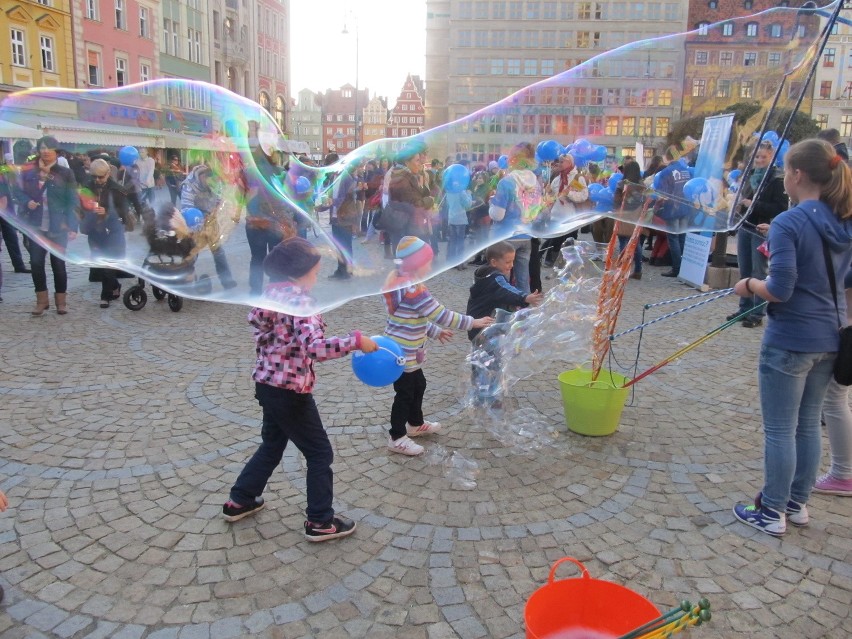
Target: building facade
339 130
732 57
480 53
273 58
232 45
832 89
305 123
375 118
39 49
408 115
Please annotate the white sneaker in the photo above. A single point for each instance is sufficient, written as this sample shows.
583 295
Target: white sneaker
404 446
424 429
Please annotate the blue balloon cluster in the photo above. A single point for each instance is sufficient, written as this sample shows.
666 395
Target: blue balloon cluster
503 162
455 178
381 367
128 155
303 185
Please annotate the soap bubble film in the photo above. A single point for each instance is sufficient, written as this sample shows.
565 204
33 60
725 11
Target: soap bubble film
228 189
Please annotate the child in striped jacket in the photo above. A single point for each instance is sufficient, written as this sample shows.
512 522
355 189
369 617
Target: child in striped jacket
414 316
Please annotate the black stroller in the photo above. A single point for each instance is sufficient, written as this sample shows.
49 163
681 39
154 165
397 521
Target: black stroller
171 259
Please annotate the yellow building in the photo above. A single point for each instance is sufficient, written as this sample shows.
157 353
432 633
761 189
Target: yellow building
40 50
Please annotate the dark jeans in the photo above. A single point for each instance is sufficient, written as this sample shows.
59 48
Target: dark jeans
342 235
108 278
10 238
408 402
38 258
261 242
220 261
455 246
676 244
288 415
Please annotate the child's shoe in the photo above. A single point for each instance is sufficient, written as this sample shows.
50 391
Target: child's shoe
797 514
337 527
234 512
765 519
828 485
424 429
404 446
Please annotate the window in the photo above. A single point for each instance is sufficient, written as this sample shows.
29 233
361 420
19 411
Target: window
465 10
644 128
481 12
144 28
515 10
563 95
511 124
513 67
728 29
747 4
723 89
775 30
547 67
662 129
584 11
613 97
698 88
120 22
498 10
747 89
515 39
751 30
144 76
726 58
825 90
94 60
583 40
532 40
480 38
19 58
628 126
611 126
846 126
464 38
773 59
545 124
828 57
580 96
92 12
596 97
749 59
702 28
528 124
175 38
120 72
665 97
595 126
822 121
497 66
549 10
480 67
498 39
46 45
713 4
166 30
533 10
701 57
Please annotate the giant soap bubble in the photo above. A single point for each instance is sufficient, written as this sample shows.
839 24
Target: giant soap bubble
232 160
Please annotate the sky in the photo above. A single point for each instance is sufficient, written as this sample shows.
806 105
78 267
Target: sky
391 43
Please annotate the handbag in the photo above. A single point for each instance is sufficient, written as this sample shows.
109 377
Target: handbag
394 217
843 361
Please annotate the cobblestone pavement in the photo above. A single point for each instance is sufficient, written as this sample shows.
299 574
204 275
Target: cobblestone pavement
121 433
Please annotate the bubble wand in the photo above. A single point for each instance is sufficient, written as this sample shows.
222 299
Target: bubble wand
689 347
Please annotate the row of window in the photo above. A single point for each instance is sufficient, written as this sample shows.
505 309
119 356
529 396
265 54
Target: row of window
576 96
752 29
747 89
93 12
195 50
270 64
536 39
736 58
845 123
826 93
547 67
188 96
122 75
568 125
567 10
402 119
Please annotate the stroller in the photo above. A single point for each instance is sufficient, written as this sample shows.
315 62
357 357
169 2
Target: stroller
172 256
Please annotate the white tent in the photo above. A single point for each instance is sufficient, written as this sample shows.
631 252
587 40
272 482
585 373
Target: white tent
15 131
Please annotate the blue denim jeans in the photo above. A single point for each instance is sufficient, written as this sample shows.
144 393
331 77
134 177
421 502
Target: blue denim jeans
637 254
455 246
792 389
676 244
752 264
290 416
261 242
521 267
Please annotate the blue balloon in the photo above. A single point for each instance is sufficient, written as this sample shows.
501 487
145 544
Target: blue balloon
194 218
583 147
614 179
771 137
128 155
782 151
595 188
303 185
602 196
598 154
503 161
548 150
382 367
455 178
693 189
734 176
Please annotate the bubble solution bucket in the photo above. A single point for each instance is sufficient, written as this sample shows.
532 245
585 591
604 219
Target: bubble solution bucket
585 607
592 408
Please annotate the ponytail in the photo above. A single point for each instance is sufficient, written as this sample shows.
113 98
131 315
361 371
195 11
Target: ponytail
818 160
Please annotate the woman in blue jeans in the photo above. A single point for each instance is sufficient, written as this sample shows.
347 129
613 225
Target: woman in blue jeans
801 338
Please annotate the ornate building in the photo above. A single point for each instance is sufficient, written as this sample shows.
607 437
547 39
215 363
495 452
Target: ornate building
408 115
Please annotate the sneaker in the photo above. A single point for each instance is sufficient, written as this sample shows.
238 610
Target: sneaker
404 446
765 519
337 527
828 485
733 316
104 304
797 514
234 512
424 429
752 322
672 273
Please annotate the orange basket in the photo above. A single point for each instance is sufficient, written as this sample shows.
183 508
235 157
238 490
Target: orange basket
563 609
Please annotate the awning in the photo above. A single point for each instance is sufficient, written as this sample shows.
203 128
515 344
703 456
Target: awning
72 131
195 142
17 131
293 146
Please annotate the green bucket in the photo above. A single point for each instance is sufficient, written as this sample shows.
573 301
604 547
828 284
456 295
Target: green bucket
592 408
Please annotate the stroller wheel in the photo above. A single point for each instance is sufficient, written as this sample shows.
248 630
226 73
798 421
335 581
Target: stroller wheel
175 302
204 285
159 294
135 298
